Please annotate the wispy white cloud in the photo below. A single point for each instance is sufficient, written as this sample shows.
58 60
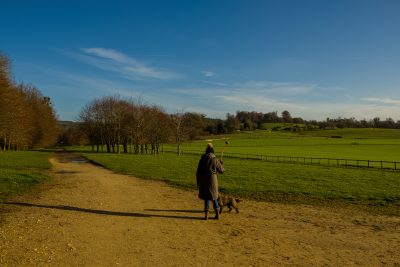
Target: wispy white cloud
127 66
259 88
84 86
110 54
276 89
208 73
381 101
216 83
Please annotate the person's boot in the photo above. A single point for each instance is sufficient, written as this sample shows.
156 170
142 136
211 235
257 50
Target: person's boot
217 214
206 215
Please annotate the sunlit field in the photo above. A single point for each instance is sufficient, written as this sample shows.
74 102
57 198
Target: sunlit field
363 144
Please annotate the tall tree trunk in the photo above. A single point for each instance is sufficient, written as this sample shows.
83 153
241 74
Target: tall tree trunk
125 145
118 145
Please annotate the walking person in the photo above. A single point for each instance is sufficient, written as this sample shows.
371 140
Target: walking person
207 180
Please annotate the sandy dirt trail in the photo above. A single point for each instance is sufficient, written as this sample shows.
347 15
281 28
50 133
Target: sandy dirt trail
89 216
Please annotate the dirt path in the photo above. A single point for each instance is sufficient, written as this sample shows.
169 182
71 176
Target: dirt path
89 216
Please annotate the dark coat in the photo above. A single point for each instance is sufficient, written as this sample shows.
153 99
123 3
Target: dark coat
206 175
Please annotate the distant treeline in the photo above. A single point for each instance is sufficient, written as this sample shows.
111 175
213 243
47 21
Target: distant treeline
245 120
27 118
114 124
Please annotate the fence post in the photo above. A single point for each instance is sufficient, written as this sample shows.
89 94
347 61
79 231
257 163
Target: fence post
395 165
381 165
368 163
337 162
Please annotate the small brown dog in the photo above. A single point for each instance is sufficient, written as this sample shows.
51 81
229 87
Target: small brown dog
228 201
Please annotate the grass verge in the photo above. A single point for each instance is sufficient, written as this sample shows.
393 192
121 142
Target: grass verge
21 170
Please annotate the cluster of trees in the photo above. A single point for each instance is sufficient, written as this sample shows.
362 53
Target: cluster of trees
115 124
27 118
245 120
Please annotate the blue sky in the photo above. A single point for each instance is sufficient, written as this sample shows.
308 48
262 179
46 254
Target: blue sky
317 59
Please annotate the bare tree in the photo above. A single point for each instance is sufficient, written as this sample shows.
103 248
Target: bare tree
180 131
158 129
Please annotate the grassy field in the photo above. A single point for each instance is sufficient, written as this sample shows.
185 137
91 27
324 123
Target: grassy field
20 170
363 144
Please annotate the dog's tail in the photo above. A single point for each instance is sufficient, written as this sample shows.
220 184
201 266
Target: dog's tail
237 200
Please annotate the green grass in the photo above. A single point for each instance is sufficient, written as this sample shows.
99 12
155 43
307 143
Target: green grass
25 159
21 170
268 181
363 144
362 133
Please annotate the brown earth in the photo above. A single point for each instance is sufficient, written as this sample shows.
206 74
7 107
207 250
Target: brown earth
89 216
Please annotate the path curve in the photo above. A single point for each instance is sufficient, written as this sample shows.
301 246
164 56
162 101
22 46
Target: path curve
89 216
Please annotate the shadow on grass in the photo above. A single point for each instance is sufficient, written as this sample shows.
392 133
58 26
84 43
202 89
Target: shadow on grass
104 212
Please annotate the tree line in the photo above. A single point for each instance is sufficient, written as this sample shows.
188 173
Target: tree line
27 118
245 120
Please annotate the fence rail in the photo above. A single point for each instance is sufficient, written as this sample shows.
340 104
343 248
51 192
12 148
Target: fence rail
379 164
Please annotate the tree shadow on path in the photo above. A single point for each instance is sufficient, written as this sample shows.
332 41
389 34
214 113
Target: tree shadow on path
103 212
